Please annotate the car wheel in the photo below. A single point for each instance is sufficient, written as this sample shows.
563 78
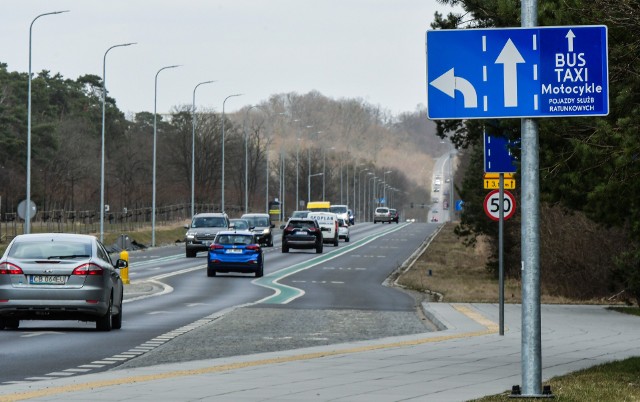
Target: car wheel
11 323
211 272
191 253
319 248
104 323
285 248
116 320
346 239
374 222
270 244
260 271
335 242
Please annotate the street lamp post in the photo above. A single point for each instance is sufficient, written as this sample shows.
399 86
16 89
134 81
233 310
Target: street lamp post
369 192
384 192
104 98
155 136
355 197
246 158
193 146
309 183
222 170
27 216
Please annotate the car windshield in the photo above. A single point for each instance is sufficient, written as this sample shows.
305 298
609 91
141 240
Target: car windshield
339 210
234 239
258 221
240 224
53 250
209 222
300 225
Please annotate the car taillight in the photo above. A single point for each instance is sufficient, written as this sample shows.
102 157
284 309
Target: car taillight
253 247
288 229
7 268
216 247
88 269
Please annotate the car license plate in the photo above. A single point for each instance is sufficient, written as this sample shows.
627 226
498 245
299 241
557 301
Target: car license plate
47 279
300 232
234 251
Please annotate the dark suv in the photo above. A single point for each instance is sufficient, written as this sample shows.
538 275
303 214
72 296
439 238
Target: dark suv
394 215
302 233
260 225
203 230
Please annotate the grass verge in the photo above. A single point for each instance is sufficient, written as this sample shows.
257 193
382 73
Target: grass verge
617 381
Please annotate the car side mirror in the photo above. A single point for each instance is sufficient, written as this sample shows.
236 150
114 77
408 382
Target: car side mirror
282 226
273 225
120 263
186 226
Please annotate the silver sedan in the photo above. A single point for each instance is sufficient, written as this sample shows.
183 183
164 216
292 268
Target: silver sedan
57 276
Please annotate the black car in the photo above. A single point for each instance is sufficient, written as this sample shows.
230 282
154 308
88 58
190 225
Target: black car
394 215
260 225
302 234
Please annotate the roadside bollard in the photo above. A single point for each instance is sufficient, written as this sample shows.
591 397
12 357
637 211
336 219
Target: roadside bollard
124 272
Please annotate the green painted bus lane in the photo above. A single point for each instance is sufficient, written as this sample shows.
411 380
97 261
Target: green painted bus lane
285 294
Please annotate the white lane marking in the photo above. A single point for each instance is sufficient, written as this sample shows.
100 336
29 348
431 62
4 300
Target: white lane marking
32 334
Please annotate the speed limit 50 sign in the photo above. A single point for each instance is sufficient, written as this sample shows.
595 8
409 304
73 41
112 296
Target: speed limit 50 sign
492 205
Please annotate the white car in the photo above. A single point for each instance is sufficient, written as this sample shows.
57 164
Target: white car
342 211
328 221
343 230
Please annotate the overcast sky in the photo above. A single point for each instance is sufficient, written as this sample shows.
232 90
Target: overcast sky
369 49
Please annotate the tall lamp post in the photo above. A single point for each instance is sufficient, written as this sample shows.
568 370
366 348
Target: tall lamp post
369 193
309 183
193 146
222 189
104 101
384 189
155 140
356 202
27 216
246 158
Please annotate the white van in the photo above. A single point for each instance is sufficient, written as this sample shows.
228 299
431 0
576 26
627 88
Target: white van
328 221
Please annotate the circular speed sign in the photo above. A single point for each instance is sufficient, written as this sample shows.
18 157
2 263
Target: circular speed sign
492 205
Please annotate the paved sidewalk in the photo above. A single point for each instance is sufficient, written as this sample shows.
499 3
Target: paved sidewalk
466 360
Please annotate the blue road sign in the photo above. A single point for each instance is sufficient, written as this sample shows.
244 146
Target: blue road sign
517 72
497 155
459 205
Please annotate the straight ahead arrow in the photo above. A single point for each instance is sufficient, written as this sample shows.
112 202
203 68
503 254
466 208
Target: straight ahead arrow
510 57
570 36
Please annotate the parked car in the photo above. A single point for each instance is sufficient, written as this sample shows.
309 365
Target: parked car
261 226
202 231
235 251
60 276
329 222
394 215
343 230
382 214
302 233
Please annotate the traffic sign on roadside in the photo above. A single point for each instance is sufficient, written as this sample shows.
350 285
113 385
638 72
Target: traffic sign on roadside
497 155
517 72
492 205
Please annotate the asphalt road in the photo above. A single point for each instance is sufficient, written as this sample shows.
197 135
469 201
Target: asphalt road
336 297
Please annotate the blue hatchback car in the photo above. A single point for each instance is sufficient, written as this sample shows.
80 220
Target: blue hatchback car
235 251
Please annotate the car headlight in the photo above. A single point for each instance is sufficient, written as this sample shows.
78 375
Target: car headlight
191 235
266 231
